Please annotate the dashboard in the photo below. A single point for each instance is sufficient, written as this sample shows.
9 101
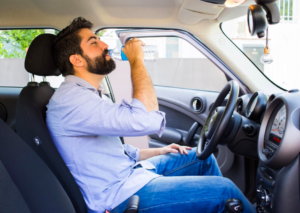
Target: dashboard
278 126
278 146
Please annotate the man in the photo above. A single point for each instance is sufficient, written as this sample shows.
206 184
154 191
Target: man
85 126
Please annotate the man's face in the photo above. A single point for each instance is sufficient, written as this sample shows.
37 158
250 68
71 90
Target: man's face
95 53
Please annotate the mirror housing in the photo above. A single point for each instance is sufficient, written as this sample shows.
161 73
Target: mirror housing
271 8
257 21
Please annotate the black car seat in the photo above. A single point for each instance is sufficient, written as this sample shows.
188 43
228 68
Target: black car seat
26 183
31 113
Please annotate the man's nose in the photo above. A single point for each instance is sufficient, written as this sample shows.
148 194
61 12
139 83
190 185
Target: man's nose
104 46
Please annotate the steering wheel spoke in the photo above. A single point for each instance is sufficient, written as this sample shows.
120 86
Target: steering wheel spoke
217 121
206 143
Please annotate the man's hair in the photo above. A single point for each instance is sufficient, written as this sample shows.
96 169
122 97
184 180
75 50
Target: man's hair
67 43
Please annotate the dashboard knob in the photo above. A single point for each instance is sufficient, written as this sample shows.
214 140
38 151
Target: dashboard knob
249 129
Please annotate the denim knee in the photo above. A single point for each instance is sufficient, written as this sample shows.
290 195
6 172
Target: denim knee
211 160
229 187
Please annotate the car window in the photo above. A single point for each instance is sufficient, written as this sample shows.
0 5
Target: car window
283 43
179 63
13 47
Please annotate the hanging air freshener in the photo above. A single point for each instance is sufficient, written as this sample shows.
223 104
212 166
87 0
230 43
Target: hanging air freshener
266 58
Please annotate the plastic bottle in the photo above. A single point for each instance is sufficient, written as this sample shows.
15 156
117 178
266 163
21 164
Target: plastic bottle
150 53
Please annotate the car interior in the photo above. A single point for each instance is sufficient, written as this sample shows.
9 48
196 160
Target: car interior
218 95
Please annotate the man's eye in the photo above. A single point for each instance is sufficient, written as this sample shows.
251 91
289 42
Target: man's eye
94 43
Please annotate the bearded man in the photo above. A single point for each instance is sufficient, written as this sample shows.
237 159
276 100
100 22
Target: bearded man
85 126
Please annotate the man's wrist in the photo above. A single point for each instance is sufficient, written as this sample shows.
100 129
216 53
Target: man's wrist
135 64
159 151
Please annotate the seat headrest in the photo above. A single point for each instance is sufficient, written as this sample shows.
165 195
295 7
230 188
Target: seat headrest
39 58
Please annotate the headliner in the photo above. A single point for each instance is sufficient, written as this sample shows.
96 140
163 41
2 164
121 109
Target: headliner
103 13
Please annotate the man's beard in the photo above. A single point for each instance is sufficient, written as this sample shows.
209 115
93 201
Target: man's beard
100 65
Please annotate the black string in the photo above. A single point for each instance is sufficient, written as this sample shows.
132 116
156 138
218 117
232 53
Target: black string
267 38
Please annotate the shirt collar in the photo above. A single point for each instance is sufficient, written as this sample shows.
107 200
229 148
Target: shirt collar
81 82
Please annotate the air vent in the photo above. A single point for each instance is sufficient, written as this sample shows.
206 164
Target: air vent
270 99
239 106
197 104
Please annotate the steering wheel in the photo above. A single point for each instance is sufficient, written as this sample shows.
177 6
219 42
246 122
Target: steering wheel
217 121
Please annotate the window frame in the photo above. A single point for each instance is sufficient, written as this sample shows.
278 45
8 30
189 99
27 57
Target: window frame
193 40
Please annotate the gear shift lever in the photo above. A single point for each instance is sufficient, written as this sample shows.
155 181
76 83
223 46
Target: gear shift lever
234 205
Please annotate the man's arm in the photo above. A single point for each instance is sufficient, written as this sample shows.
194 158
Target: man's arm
143 89
172 148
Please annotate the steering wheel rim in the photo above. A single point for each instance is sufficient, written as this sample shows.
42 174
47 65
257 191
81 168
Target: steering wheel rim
206 146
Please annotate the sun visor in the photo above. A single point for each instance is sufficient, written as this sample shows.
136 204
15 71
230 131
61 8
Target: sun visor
193 11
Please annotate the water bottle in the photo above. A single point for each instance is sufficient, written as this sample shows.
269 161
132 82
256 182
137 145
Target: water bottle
150 53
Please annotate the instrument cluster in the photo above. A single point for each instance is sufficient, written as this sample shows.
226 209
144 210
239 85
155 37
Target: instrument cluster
279 120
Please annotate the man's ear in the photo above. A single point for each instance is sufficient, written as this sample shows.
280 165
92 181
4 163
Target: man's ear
76 60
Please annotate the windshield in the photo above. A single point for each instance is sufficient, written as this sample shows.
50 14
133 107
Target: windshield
284 45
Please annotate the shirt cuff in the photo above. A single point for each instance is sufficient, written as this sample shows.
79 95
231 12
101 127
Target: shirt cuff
138 104
163 123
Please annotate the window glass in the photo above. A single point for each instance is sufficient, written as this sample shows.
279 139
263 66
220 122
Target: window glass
179 63
286 8
283 43
13 47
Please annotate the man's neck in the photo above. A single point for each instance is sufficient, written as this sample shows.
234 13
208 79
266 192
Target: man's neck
93 79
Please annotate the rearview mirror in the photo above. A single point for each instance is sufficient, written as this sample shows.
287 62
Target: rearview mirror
257 21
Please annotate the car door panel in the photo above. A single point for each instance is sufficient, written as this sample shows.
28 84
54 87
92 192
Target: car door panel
177 104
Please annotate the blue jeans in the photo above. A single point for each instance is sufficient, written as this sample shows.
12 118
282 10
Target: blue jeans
187 185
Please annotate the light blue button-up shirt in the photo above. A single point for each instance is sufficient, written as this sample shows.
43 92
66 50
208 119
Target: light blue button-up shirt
85 128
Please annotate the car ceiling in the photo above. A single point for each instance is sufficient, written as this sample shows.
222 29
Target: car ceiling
115 13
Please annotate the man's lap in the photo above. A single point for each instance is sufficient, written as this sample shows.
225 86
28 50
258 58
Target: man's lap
175 164
187 185
183 194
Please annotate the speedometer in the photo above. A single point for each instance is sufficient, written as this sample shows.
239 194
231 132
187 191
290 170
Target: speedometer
278 125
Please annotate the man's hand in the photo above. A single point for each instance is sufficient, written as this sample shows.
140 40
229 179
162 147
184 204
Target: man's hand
173 148
134 52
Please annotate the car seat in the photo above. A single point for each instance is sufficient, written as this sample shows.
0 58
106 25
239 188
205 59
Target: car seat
31 124
31 113
26 183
